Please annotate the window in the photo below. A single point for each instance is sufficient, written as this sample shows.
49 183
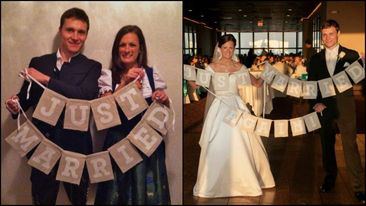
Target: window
246 40
316 34
275 39
260 40
190 40
289 39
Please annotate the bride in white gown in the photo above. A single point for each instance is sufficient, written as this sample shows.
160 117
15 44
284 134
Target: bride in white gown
233 162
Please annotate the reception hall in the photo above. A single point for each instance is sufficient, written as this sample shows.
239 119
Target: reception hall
285 38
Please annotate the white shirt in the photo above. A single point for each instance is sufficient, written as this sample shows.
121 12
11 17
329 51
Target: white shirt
60 62
159 83
331 56
105 82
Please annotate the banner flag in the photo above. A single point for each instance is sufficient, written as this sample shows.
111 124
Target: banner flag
105 112
77 115
45 156
71 167
50 107
25 139
99 167
131 100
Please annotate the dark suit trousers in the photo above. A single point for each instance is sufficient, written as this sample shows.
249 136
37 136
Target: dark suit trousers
346 122
45 188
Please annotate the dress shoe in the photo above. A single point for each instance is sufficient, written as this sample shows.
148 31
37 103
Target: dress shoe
327 185
360 196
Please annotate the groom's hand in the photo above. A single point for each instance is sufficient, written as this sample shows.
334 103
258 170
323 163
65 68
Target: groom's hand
319 107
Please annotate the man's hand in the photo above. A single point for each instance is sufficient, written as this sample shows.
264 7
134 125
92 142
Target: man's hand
319 107
12 105
39 76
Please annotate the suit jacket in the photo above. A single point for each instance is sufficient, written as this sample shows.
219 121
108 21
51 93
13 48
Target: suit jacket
77 79
318 70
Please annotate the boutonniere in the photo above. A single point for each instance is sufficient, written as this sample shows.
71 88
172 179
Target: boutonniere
341 55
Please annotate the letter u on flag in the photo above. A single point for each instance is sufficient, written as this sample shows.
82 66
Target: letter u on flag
77 114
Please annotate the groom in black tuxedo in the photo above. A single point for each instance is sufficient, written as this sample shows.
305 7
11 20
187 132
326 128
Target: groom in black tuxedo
73 75
336 110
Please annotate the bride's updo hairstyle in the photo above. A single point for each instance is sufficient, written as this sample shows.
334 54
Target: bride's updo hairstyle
225 38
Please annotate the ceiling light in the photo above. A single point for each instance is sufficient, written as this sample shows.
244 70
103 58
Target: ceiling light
227 17
334 11
288 15
190 10
244 15
289 9
239 10
202 15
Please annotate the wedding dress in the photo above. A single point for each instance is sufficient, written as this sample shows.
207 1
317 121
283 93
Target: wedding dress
233 162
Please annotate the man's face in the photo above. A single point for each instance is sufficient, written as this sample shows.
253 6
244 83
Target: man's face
330 36
73 35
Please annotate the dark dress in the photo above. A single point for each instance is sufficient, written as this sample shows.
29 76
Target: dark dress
144 184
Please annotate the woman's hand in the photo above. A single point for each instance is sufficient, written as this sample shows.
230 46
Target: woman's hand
132 74
160 96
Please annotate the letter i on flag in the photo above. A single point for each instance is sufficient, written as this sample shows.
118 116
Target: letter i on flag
125 155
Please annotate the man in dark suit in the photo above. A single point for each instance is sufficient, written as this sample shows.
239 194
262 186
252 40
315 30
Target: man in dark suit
336 110
69 73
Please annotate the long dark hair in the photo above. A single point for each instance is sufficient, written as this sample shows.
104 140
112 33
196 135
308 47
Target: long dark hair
225 38
117 66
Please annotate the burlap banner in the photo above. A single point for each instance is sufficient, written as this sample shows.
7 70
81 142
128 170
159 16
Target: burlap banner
105 113
295 88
